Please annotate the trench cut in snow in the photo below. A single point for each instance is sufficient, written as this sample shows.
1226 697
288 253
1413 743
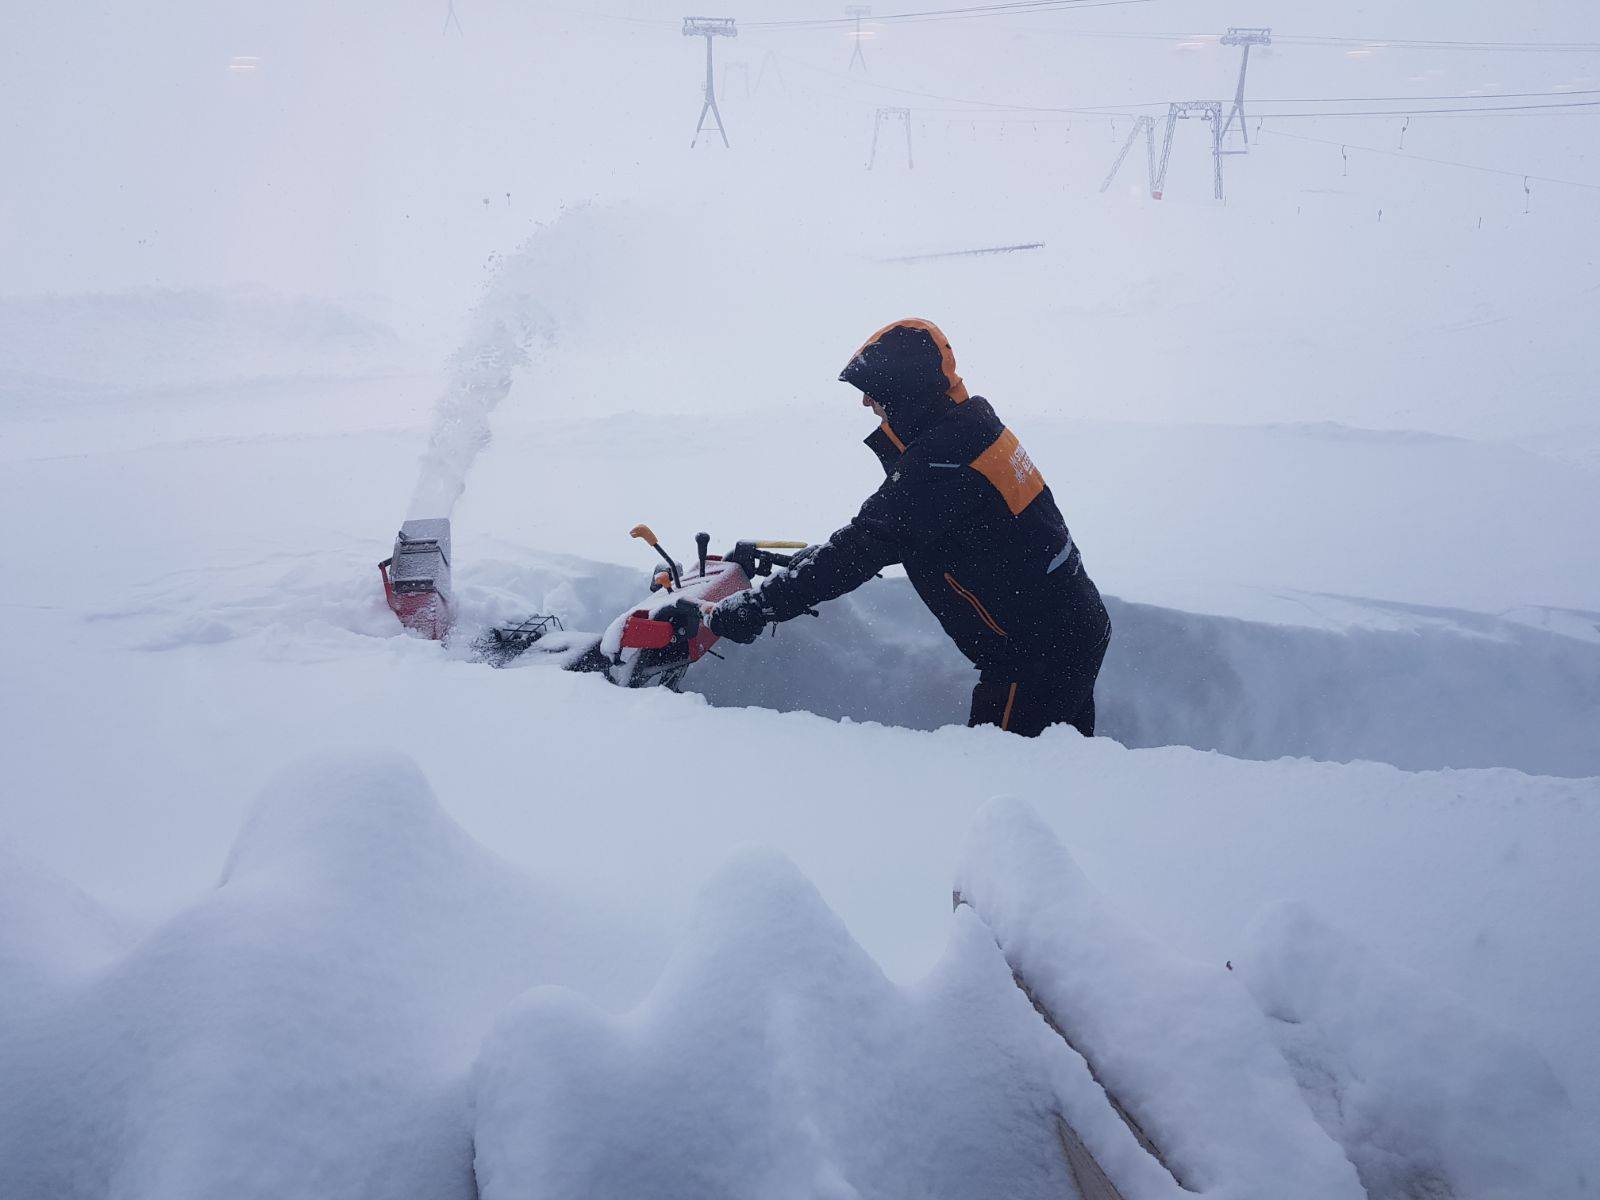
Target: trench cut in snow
1420 688
1417 687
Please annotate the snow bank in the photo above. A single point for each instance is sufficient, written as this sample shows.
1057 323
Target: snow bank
1177 1043
1427 1097
774 1059
51 934
1421 688
306 1029
310 1027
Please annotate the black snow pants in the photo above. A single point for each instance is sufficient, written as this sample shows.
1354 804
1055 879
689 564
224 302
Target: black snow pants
1027 700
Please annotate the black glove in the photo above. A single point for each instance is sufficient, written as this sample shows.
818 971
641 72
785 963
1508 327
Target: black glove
740 618
799 558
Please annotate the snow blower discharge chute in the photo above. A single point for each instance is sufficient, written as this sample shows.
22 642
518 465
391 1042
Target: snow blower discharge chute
416 578
652 643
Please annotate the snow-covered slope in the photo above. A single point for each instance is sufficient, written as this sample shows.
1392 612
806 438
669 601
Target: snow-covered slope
115 348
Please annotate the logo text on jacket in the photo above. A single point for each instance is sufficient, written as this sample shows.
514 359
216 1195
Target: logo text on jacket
1007 466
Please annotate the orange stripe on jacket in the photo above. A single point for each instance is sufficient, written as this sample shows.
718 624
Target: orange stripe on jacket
947 357
1011 698
983 613
1006 465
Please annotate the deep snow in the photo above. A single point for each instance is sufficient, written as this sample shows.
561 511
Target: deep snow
215 611
347 1011
304 1028
1426 1097
1330 445
774 1058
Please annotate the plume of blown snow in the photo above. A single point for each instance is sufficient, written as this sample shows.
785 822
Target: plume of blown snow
515 317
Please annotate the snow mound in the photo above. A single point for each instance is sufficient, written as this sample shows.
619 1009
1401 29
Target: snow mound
51 933
1427 1098
307 1028
775 1059
1178 1044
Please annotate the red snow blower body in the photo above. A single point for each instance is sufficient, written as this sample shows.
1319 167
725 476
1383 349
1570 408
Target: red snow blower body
416 577
652 643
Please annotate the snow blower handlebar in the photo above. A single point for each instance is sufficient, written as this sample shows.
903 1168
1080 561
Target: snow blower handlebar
645 534
756 557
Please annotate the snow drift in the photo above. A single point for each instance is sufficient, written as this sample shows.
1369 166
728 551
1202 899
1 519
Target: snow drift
774 1059
305 1030
369 1004
1426 1097
52 935
1177 1044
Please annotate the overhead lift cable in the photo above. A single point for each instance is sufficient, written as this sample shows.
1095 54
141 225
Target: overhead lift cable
1485 110
1443 44
1443 162
1375 43
1128 109
969 12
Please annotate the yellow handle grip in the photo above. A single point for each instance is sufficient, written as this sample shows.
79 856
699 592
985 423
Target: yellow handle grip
644 533
782 545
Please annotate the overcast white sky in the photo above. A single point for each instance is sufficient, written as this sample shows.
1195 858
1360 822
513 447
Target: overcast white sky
134 155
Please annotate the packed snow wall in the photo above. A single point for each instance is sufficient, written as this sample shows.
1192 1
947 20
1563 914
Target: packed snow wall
1419 688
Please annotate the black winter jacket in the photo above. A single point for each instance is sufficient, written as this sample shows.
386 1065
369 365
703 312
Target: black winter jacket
967 512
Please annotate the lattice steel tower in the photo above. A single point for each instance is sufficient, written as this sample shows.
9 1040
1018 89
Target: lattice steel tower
709 28
890 115
1243 36
858 11
1183 110
1146 126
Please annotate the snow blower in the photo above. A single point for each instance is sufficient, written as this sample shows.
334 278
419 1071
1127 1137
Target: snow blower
652 643
416 578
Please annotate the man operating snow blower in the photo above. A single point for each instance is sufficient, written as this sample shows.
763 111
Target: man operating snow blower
968 514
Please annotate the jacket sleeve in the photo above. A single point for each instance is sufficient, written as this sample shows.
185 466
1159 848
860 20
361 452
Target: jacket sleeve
916 507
